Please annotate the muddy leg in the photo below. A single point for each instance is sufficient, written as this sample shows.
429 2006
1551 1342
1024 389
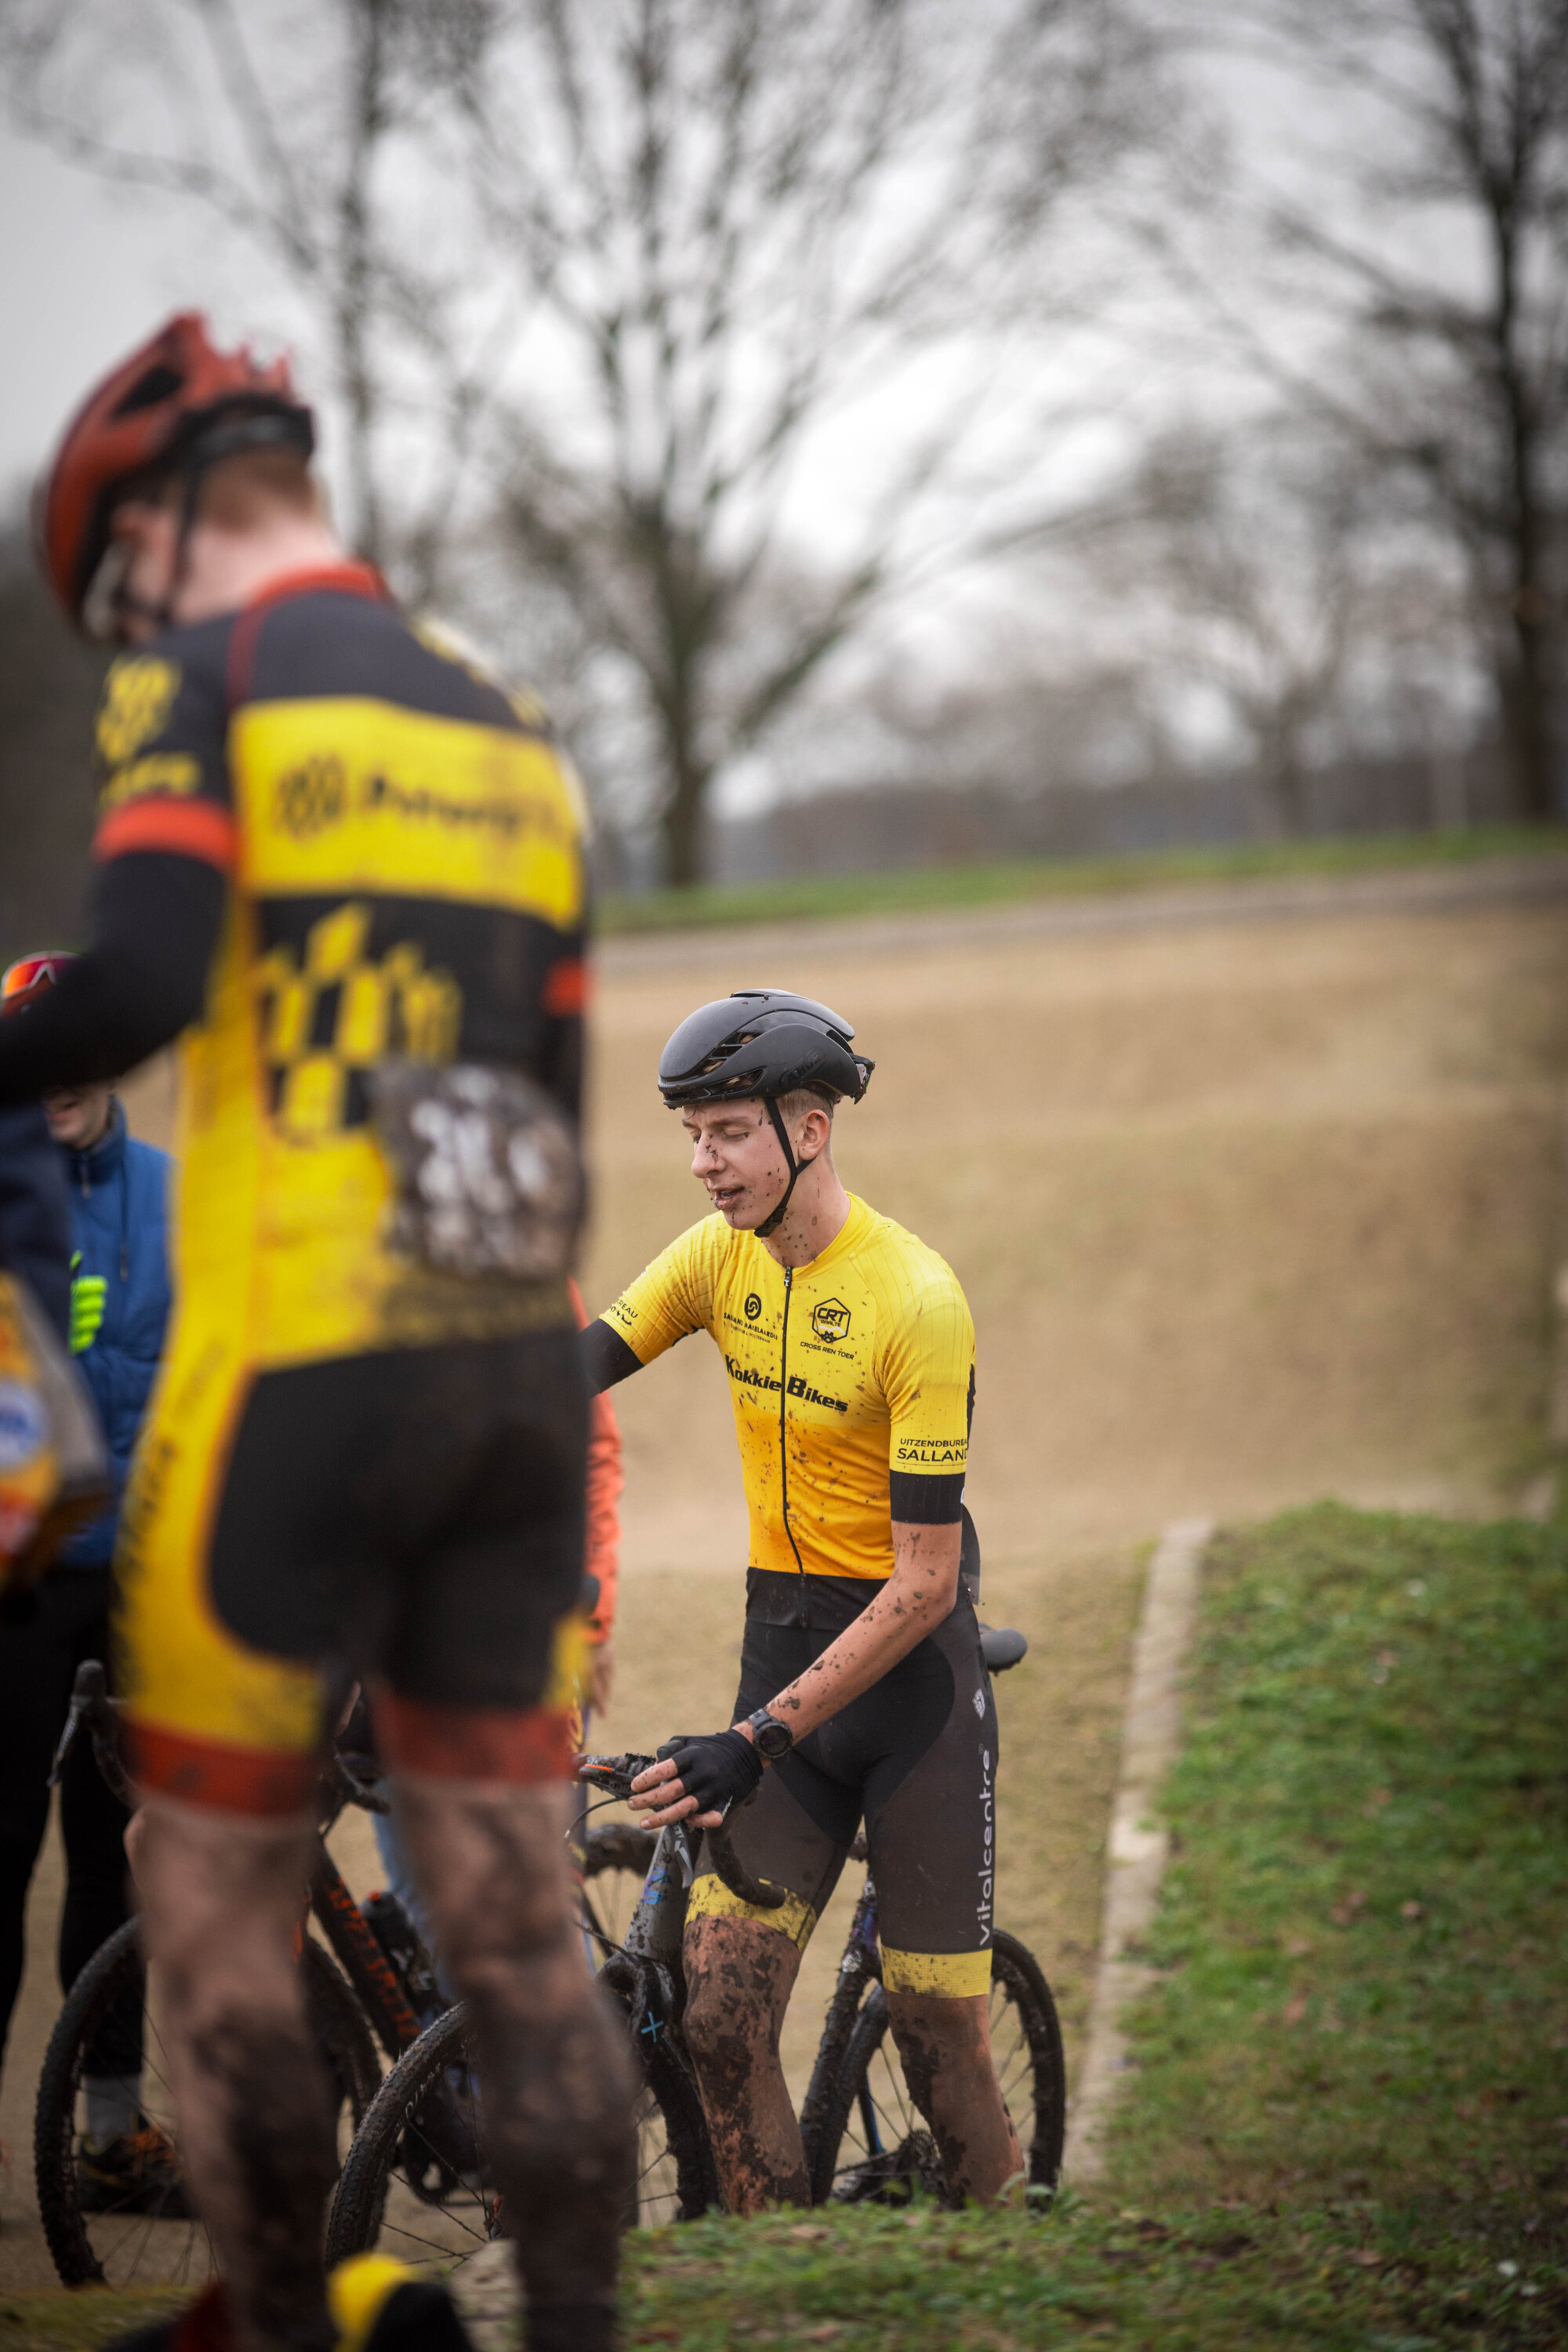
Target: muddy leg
221 1897
945 2044
739 1979
556 2079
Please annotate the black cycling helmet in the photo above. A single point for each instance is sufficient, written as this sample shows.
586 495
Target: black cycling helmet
756 1046
761 1041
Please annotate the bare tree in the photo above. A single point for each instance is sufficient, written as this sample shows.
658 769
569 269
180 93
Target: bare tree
744 220
297 124
637 261
1263 573
1433 241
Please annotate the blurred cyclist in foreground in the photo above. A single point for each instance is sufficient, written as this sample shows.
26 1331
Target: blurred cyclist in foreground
117 1190
350 870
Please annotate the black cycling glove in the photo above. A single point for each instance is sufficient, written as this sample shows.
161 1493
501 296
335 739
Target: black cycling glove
719 1770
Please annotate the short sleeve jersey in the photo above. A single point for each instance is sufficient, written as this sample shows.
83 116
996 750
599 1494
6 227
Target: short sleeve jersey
404 850
852 1380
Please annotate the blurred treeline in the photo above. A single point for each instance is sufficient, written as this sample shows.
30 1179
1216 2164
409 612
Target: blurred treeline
898 429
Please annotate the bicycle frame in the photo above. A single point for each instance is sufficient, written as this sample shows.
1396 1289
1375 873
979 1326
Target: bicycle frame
352 1942
861 1964
360 1956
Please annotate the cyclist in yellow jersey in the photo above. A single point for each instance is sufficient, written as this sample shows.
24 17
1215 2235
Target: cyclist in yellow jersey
863 1694
348 868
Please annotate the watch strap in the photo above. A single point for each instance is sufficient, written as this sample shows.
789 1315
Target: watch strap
782 1739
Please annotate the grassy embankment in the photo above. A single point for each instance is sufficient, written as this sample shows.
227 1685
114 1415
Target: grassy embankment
1349 2123
917 890
1348 2129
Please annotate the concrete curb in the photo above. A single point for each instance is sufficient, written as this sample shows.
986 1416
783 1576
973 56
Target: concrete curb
1137 1853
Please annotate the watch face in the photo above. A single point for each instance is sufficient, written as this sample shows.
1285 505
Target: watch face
773 1738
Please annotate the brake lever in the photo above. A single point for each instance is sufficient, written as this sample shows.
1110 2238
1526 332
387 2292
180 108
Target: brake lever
614 1774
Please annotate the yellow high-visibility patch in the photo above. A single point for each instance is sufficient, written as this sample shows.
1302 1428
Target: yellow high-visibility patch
344 793
955 1976
711 1899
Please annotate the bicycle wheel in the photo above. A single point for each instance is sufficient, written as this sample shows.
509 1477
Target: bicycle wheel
875 2145
415 2186
149 2238
615 1863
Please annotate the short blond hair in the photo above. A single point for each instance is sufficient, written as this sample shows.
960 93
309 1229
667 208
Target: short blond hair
800 1099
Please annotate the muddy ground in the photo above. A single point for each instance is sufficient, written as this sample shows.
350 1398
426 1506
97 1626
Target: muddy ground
1248 1214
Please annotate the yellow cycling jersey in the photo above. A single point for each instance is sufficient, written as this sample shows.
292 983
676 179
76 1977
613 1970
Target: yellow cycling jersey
852 1380
403 850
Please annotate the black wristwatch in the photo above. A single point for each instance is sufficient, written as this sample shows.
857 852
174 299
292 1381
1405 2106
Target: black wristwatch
771 1738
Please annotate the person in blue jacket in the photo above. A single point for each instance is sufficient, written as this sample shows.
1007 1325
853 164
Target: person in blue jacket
117 1207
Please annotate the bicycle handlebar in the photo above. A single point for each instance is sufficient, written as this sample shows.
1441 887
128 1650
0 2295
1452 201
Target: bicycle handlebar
92 1709
614 1774
761 1893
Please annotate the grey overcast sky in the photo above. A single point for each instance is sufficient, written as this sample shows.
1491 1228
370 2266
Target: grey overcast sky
85 271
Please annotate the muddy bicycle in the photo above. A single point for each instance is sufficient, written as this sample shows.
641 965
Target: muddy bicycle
865 2137
368 1981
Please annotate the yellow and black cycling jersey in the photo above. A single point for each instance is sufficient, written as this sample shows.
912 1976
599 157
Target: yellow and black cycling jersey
852 1380
403 847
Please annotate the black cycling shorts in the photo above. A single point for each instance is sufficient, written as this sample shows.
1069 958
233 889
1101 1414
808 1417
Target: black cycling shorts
413 1518
915 1759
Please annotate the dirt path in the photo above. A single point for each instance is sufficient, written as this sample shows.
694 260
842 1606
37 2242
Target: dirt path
1249 1210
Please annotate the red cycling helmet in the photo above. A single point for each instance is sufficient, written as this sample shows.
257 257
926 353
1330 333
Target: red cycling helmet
177 404
29 976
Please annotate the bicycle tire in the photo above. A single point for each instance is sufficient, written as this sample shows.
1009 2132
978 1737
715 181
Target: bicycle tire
390 2142
616 1860
151 2248
874 2144
396 2156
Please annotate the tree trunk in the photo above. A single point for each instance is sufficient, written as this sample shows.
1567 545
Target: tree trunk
355 293
684 821
1524 693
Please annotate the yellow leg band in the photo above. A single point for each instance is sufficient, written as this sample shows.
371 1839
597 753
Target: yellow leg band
956 1976
711 1899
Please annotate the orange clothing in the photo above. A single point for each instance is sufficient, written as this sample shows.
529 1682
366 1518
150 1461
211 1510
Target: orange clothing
602 1545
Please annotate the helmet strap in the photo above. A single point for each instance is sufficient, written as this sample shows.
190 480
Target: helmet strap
797 1169
119 605
190 498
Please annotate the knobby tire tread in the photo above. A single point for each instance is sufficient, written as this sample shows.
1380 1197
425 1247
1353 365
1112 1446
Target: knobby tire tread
354 2222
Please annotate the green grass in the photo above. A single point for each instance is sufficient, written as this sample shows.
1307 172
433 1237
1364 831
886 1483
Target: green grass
1348 2127
831 898
75 2323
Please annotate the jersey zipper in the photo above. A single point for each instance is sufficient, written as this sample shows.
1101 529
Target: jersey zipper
784 1447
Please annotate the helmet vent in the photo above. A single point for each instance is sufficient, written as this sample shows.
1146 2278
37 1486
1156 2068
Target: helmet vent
160 382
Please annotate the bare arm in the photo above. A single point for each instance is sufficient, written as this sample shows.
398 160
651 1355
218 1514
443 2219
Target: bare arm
914 1601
